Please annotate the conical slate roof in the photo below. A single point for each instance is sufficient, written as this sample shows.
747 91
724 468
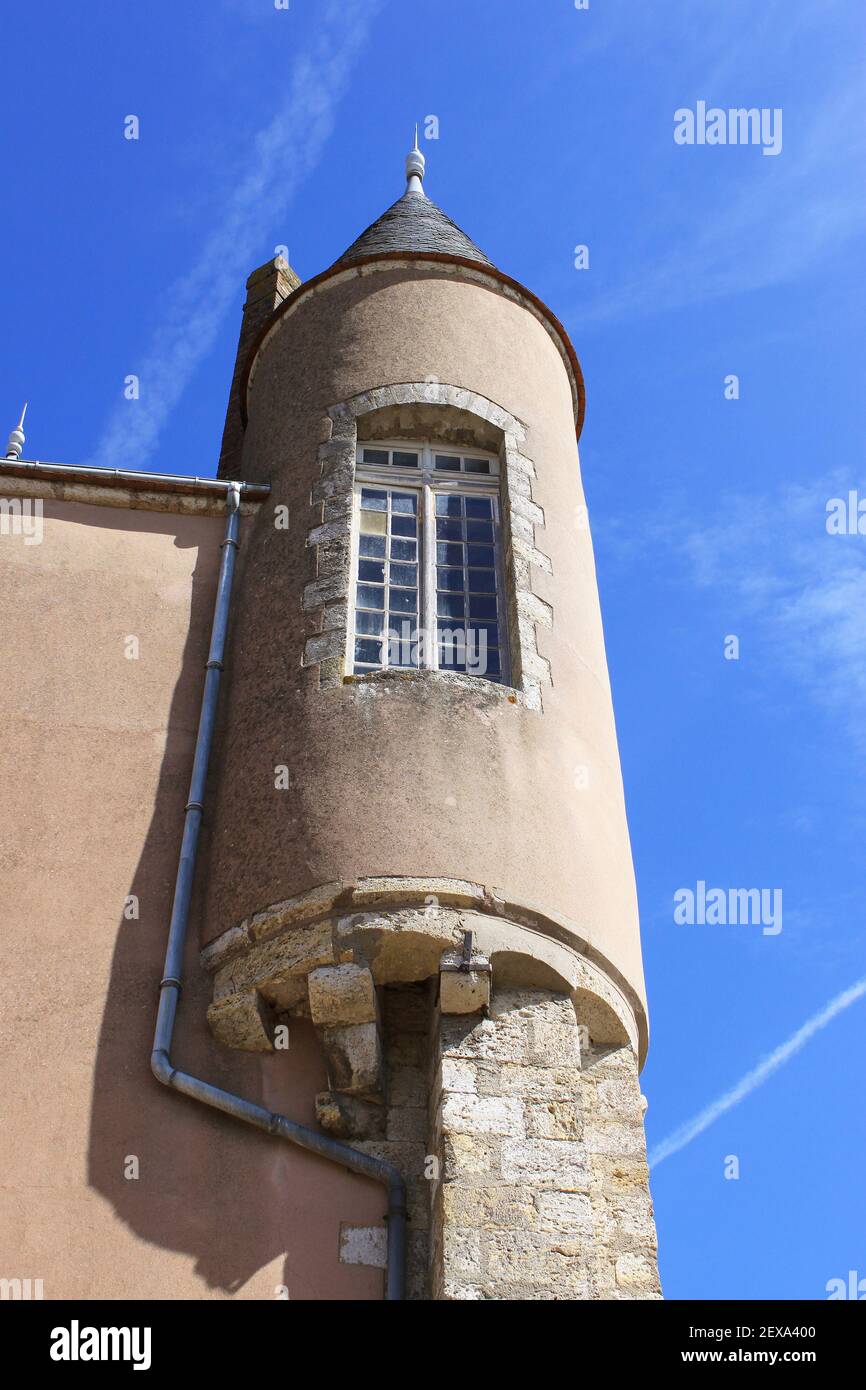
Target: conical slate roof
413 224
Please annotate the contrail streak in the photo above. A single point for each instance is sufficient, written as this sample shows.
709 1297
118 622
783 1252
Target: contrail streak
282 153
757 1076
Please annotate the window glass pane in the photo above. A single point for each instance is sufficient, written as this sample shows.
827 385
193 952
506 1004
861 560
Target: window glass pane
405 503
403 574
489 631
371 623
374 499
448 462
449 554
374 546
366 650
403 641
372 570
401 458
373 522
370 596
375 456
404 600
482 607
479 507
481 555
387 611
449 504
404 550
450 605
452 659
482 581
450 580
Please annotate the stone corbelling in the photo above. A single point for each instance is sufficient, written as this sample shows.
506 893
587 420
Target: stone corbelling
326 597
399 926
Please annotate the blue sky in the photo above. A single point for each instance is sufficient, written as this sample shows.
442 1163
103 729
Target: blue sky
261 127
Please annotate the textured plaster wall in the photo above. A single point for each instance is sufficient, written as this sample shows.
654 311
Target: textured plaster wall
417 778
94 768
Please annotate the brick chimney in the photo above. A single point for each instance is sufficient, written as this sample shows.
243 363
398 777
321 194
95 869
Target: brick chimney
267 287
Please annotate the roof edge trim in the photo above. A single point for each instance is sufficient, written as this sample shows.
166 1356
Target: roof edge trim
489 272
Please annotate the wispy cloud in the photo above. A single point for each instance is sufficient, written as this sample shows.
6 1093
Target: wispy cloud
771 559
729 221
757 1076
284 151
767 560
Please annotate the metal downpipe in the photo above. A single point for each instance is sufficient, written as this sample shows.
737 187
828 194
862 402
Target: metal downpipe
172 978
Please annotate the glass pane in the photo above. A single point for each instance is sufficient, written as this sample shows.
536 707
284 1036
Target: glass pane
374 499
405 503
373 546
449 504
447 461
482 581
404 600
449 530
476 465
403 641
404 526
450 580
493 664
450 605
374 522
451 660
490 631
449 554
482 607
401 458
370 596
375 455
403 574
481 555
479 507
402 627
372 571
479 531
371 623
404 550
365 650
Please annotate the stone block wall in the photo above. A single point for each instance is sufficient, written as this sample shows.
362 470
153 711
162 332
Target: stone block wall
543 1186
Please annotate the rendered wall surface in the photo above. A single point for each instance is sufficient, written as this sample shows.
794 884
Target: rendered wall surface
417 779
94 768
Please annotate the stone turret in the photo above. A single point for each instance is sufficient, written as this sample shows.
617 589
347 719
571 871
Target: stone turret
419 845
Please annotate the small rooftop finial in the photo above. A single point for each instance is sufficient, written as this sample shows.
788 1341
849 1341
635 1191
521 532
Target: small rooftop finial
16 439
415 168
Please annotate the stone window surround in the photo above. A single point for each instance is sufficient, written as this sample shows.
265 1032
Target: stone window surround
326 598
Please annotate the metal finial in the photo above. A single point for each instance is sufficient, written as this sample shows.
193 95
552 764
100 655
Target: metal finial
15 442
415 168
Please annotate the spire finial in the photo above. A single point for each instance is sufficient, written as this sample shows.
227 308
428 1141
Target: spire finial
16 438
415 168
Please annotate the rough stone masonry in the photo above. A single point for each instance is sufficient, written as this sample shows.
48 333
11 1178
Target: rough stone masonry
543 1189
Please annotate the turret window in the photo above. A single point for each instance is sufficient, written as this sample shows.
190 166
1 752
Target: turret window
427 562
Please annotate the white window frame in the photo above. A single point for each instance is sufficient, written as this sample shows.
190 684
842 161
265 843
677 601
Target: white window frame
429 482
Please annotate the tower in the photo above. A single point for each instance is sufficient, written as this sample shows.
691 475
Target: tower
418 837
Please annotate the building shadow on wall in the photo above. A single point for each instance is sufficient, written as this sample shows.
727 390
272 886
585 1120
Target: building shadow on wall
232 1198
